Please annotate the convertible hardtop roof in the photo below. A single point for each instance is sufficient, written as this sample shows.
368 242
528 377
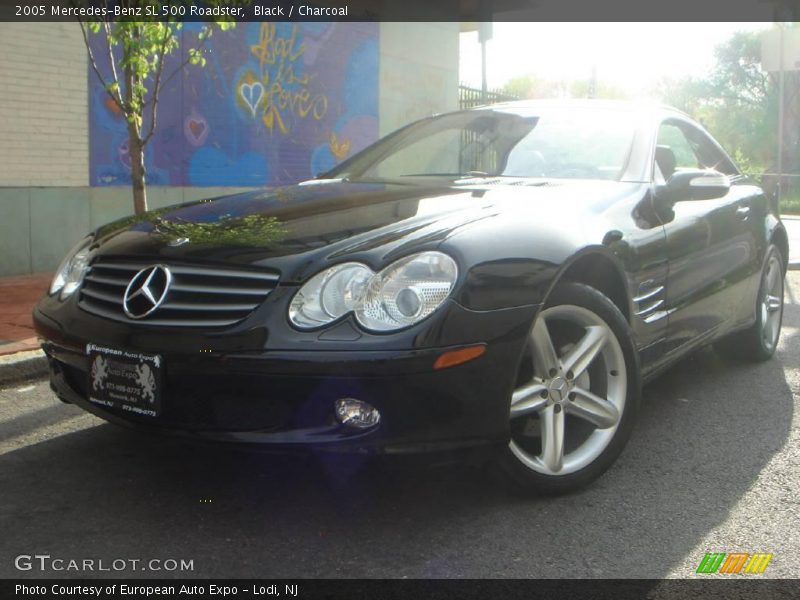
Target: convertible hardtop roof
532 106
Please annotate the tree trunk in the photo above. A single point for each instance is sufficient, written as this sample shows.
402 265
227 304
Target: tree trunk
135 147
136 153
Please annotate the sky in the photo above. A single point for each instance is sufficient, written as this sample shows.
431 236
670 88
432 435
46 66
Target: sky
629 56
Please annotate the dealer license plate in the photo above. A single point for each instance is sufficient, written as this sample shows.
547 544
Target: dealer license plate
128 381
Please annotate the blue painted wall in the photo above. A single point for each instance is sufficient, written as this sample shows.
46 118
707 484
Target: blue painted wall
276 103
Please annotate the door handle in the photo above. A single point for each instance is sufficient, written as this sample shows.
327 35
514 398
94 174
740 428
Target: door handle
743 212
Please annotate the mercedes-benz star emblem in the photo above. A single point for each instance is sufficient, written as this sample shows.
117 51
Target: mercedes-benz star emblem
147 291
558 389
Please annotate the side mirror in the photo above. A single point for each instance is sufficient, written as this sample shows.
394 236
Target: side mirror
694 184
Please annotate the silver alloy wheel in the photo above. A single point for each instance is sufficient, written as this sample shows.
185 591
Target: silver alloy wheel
772 303
561 387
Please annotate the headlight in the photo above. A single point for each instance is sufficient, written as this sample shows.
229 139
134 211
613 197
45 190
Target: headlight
71 270
329 295
402 294
407 291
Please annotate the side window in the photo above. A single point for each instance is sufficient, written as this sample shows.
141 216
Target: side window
681 146
708 154
671 137
438 155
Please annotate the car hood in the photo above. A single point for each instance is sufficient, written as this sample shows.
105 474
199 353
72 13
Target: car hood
299 229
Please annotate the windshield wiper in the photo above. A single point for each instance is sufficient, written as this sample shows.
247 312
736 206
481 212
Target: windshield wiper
456 175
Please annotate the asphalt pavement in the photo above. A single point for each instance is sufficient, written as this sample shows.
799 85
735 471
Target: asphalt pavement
713 466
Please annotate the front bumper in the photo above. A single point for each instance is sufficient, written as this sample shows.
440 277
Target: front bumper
285 397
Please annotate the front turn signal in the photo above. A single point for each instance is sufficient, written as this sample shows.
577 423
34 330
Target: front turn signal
452 358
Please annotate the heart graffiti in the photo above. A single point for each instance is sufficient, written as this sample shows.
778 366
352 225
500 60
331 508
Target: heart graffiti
251 93
339 148
196 129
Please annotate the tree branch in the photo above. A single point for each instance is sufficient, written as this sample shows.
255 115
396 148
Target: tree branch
116 98
157 84
741 99
112 62
187 61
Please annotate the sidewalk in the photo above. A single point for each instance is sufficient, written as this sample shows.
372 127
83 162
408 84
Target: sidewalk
792 224
17 297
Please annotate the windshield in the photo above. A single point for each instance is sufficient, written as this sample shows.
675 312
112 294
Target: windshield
562 144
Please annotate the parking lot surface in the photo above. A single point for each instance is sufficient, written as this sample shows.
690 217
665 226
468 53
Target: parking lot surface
713 466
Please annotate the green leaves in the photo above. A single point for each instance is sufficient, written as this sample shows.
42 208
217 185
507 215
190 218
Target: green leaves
736 101
196 57
250 230
135 53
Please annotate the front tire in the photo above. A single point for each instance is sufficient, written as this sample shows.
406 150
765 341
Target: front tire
576 395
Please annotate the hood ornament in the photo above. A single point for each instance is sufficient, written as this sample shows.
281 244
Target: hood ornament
178 242
162 228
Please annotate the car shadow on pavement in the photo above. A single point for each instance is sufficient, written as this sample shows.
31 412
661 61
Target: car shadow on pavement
707 429
35 420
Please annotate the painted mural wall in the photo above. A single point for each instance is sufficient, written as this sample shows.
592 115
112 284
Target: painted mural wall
276 103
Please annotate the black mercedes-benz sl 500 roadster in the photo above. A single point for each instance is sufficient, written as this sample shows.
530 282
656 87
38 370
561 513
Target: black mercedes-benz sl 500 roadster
506 277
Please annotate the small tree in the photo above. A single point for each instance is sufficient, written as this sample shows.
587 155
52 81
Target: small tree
738 102
136 52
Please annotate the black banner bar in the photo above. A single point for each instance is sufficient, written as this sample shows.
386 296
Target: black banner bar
373 589
402 10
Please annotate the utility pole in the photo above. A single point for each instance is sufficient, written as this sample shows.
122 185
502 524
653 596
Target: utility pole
781 99
780 52
484 35
485 23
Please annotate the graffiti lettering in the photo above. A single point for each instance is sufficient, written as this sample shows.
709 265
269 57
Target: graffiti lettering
278 91
274 50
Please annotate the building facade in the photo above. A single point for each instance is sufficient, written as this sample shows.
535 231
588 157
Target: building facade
275 103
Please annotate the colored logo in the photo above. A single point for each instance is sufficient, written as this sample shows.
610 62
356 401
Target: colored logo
734 563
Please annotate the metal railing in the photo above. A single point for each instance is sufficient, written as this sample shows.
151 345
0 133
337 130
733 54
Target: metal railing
782 189
468 97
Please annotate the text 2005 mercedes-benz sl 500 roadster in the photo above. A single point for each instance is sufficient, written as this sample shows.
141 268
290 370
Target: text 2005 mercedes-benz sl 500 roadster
506 277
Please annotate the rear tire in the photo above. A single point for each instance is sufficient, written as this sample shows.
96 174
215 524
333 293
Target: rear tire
758 342
576 395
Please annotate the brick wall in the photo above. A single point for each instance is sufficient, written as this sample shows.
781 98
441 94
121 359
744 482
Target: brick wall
43 105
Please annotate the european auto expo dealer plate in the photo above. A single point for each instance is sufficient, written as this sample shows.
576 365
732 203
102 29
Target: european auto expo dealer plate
129 381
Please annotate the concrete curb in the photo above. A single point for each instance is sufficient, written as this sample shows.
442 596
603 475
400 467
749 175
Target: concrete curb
21 366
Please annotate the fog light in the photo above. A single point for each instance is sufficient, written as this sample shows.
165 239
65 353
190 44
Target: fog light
356 413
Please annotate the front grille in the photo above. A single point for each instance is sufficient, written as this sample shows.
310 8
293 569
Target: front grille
199 296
